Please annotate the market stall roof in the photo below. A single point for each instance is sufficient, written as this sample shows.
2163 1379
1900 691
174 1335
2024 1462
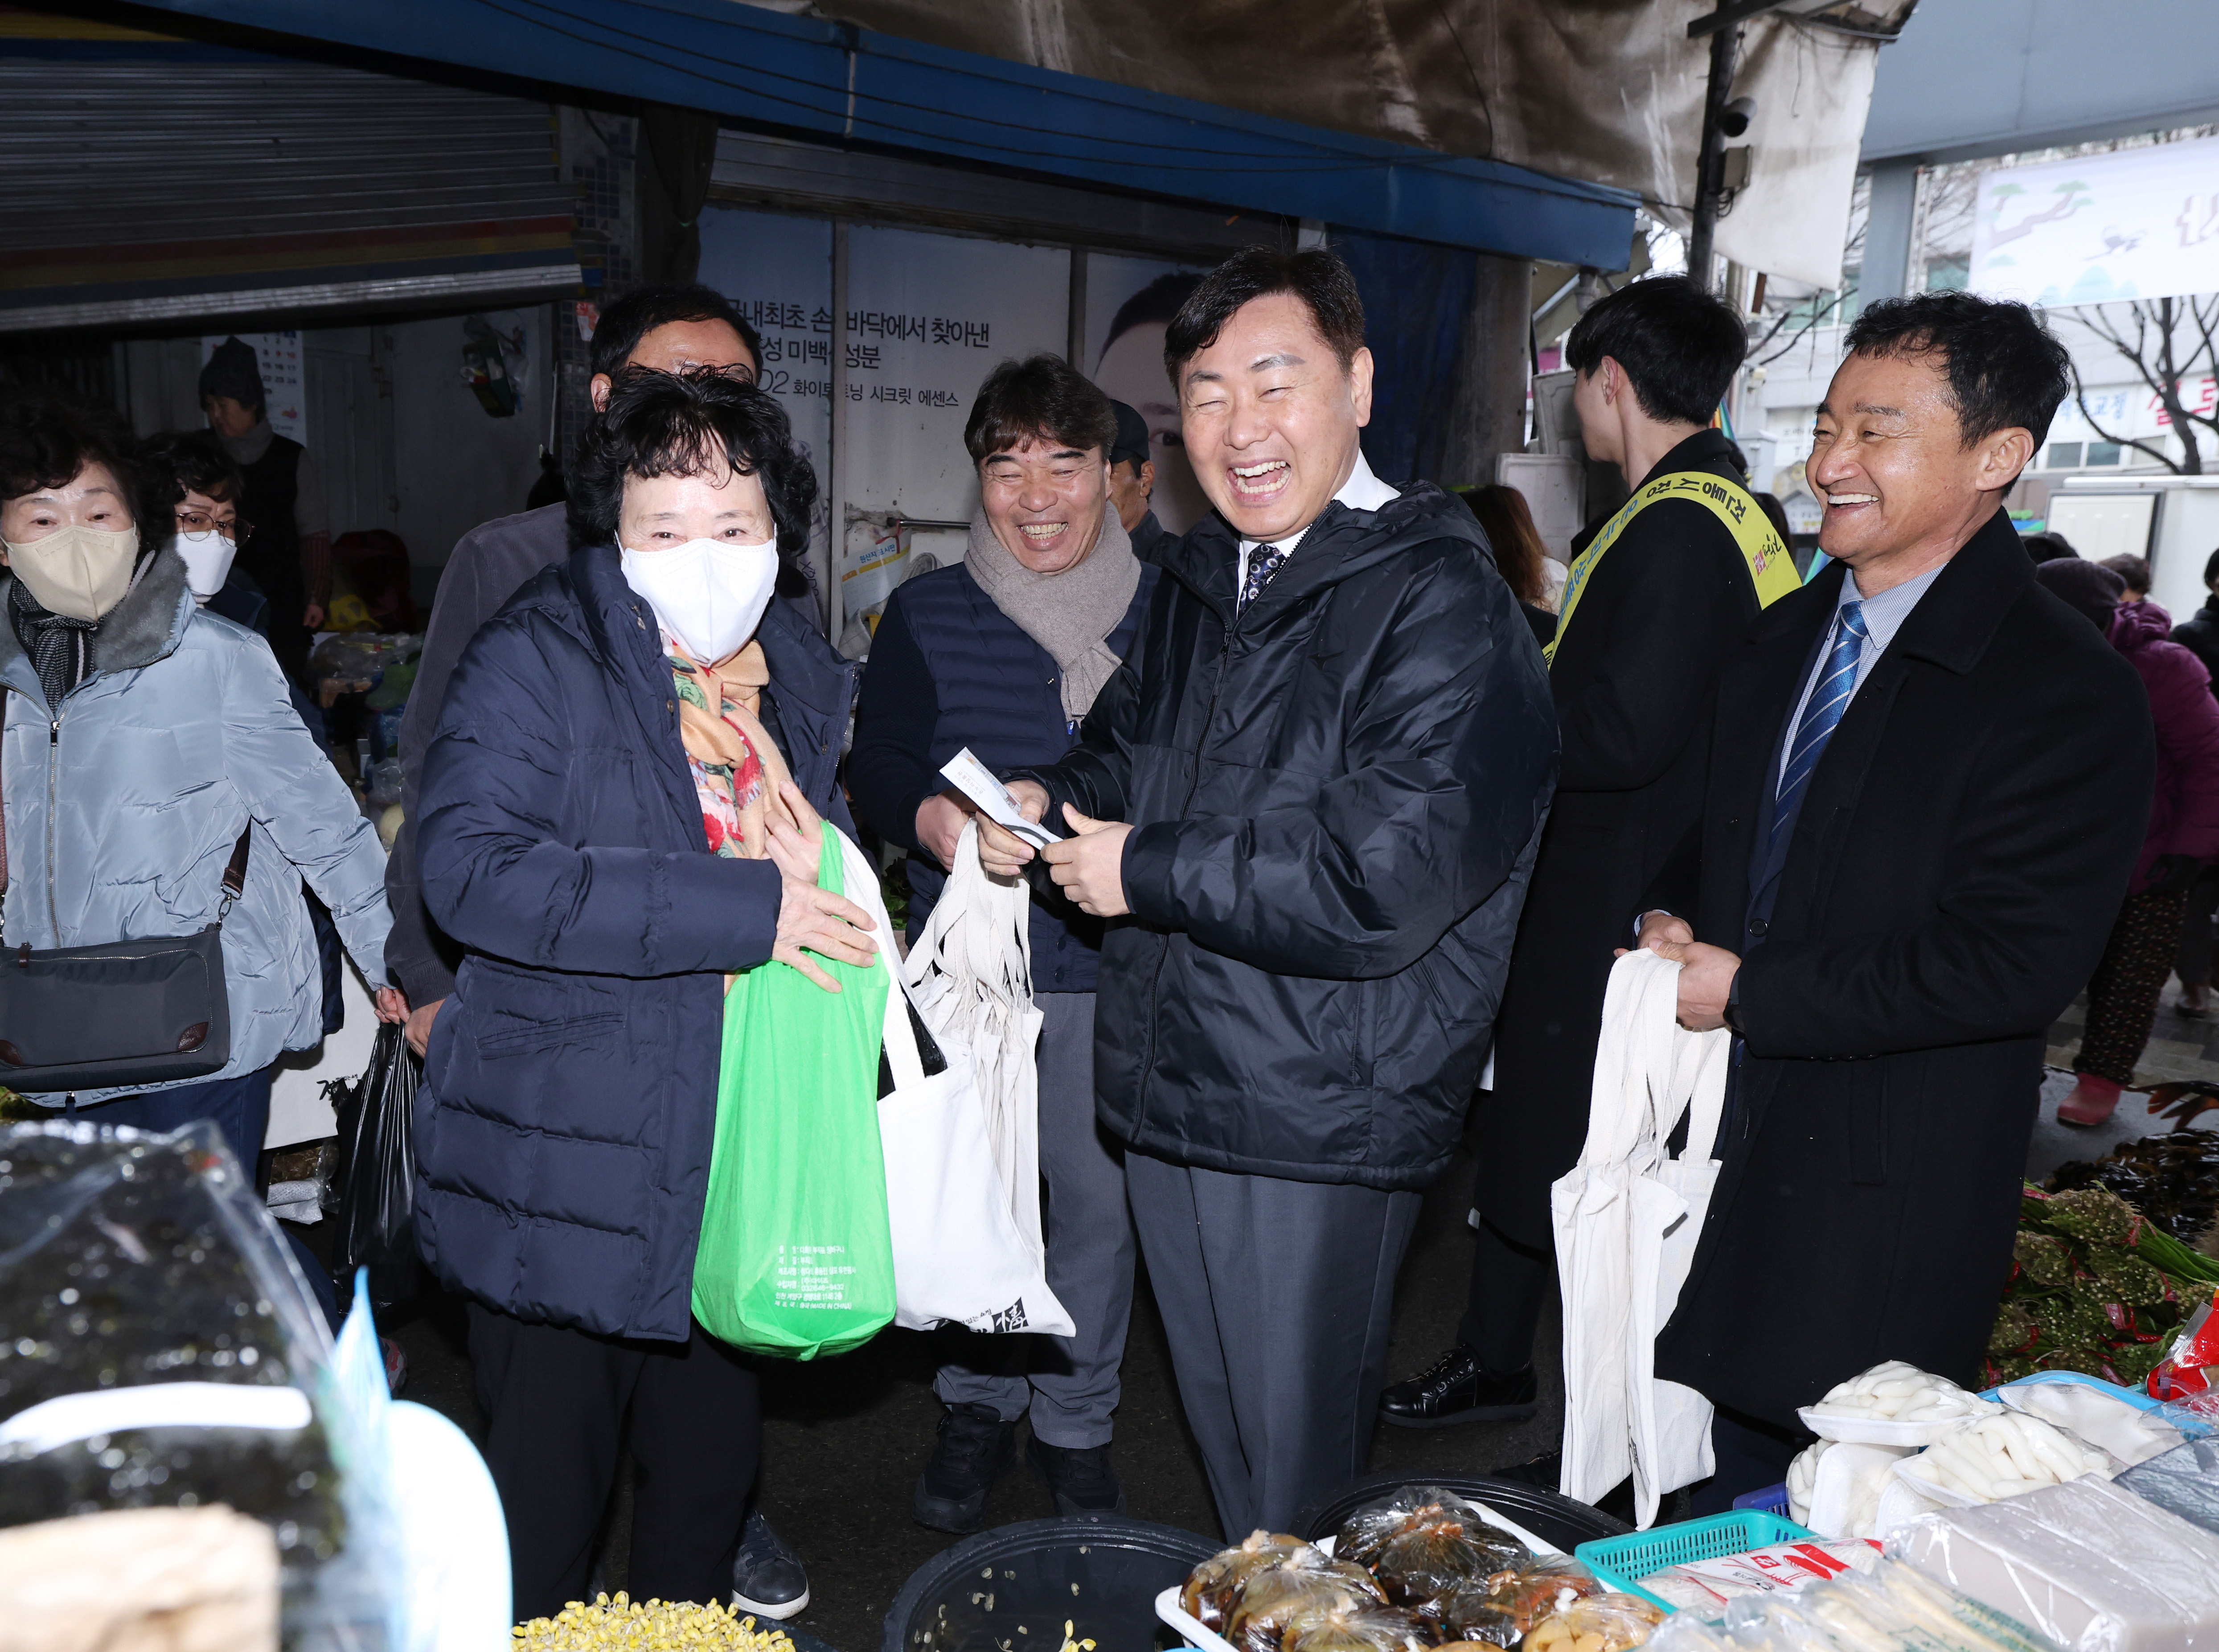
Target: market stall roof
855 84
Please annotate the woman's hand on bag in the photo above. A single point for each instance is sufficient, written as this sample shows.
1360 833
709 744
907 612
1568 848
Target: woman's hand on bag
939 822
1002 852
392 1006
813 919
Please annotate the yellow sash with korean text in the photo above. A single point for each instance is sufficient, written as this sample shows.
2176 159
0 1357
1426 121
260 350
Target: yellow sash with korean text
1770 566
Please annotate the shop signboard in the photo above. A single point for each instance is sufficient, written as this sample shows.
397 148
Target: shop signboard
2135 223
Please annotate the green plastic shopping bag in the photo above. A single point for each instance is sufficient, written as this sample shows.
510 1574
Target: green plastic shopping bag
794 1258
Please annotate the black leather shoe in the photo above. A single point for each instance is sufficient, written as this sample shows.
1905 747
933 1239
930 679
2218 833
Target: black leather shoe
1457 1388
975 1449
767 1579
1079 1478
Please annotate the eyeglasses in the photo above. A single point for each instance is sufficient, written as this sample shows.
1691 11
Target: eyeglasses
201 522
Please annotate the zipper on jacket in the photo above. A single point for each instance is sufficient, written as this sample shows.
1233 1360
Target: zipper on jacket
53 771
1193 786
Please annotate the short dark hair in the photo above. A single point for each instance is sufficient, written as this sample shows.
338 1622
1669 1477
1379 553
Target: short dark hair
685 424
643 309
48 441
1679 346
2005 370
2212 568
1043 398
182 461
1315 276
2134 570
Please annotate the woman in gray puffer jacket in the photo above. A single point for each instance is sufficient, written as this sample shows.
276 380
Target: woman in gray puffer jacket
139 735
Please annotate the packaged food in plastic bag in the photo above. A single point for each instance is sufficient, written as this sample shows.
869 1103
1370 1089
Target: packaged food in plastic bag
1602 1623
2188 1365
164 1352
1439 1549
1358 1629
1273 1601
2185 1480
1213 1587
1686 1631
1706 1585
1500 1610
1941 1615
1366 1536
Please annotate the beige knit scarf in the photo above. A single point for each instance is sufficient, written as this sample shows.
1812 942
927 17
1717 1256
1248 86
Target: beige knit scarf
1070 614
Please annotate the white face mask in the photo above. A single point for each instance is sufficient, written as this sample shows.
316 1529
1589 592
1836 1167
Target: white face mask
709 593
208 556
76 570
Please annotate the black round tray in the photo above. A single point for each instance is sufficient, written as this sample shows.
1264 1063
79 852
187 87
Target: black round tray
1545 1513
1012 1589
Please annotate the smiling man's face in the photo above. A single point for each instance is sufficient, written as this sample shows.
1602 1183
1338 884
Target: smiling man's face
1902 487
1046 501
1272 417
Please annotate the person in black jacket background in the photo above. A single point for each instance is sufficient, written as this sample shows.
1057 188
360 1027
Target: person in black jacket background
1924 791
1635 664
1310 802
974 655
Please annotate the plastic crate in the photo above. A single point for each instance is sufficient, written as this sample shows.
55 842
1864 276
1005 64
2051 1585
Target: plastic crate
1772 1500
1618 1560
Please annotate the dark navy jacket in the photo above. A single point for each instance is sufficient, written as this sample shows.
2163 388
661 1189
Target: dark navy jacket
949 669
570 1091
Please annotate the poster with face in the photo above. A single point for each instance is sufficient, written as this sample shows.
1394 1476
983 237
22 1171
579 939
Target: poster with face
1130 302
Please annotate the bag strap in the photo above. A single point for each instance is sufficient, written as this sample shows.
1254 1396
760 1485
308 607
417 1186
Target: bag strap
234 874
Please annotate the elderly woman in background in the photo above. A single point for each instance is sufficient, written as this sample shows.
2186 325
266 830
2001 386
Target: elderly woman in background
1004 653
621 807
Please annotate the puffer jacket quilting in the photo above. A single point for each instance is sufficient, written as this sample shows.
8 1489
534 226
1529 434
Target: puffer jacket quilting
122 809
564 1127
1337 800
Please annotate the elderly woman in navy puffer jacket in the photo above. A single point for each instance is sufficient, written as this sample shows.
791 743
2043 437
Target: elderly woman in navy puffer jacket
606 828
2183 834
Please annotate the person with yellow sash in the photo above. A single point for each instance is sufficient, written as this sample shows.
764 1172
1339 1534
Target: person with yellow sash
1657 596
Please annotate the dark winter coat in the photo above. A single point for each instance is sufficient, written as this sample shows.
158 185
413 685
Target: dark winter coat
563 1129
1960 853
2184 815
1632 683
1336 797
2199 635
949 669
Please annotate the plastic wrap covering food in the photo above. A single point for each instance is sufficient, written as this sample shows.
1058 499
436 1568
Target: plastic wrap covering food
1501 1610
1357 1629
1706 1585
1686 1631
2087 1565
1273 1601
1602 1623
1428 1537
163 1352
2097 1415
2184 1480
1214 1586
1991 1458
1442 1545
1879 1613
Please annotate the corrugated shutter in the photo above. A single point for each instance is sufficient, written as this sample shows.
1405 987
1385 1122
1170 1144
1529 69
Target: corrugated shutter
197 186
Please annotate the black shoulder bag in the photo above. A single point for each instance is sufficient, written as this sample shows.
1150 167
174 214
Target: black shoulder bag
125 1014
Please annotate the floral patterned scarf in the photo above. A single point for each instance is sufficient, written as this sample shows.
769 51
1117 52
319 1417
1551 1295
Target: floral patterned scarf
737 768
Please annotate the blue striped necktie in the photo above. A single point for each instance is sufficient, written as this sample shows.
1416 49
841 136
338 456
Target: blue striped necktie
1829 699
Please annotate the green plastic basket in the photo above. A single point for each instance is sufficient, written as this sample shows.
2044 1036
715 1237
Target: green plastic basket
1618 1560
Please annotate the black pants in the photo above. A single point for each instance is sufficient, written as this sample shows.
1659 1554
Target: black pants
1510 1283
556 1400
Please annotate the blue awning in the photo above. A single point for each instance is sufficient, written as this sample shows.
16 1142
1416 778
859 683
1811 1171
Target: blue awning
833 80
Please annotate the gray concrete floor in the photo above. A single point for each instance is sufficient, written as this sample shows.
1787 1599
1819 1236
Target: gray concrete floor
844 1438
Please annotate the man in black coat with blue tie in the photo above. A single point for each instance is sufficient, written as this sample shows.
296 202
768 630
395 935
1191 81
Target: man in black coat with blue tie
1927 785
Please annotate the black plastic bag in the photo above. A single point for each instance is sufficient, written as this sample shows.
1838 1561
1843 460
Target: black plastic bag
376 1174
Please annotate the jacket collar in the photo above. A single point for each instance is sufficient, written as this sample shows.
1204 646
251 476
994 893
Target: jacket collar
1954 622
145 626
1340 542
